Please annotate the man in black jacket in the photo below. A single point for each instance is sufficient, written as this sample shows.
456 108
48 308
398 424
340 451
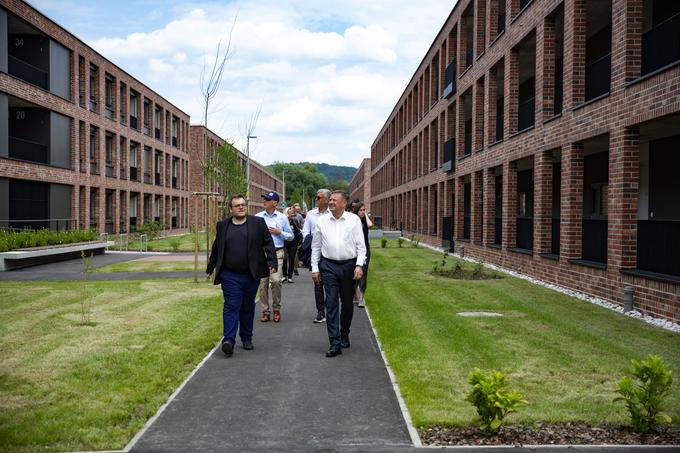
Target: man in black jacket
242 254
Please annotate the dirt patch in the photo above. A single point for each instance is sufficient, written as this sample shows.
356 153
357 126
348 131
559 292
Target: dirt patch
559 434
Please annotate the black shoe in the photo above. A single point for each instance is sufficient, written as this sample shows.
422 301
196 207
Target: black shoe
227 348
332 352
248 345
320 317
344 342
295 272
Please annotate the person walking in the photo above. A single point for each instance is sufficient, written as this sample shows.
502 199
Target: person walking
280 231
360 288
242 253
290 247
301 221
338 256
313 216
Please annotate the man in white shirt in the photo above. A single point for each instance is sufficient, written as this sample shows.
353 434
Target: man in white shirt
279 227
338 254
322 198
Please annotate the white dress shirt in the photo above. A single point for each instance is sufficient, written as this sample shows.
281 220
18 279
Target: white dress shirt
338 239
311 219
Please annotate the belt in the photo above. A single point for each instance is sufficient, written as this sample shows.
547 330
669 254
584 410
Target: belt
338 262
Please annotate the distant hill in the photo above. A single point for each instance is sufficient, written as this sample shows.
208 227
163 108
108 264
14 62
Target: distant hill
334 172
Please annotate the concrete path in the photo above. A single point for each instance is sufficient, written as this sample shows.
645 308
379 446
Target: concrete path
286 395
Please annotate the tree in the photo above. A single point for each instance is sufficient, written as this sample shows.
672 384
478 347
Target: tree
225 172
340 184
300 178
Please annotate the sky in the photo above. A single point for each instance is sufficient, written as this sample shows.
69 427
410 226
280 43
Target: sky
324 75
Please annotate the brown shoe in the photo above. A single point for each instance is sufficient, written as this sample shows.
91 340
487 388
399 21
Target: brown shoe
277 316
265 316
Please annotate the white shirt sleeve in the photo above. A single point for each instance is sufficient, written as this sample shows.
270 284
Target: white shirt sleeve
307 227
358 236
316 248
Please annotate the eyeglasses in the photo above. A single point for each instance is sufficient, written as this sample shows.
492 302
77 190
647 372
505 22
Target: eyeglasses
242 205
318 197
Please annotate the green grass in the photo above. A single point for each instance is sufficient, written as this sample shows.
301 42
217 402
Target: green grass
68 386
563 354
154 266
186 243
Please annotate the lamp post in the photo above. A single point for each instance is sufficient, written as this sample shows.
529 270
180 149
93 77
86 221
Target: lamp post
248 166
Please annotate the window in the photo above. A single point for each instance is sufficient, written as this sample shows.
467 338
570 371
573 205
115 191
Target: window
94 72
108 95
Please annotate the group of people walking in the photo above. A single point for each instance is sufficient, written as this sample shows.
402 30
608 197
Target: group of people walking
256 254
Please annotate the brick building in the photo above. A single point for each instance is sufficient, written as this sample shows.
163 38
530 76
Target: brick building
204 142
544 136
360 185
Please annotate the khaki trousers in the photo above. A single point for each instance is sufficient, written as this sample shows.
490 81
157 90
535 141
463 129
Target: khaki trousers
275 281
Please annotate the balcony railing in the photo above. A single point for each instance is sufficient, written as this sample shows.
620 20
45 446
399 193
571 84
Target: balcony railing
498 230
555 237
450 80
449 163
27 72
526 114
598 77
661 45
133 173
20 148
525 233
658 247
594 240
36 224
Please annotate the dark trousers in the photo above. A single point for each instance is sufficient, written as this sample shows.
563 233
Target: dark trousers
319 298
289 260
338 282
239 305
364 279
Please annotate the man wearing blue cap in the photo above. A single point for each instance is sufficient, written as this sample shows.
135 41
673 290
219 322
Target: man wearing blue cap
279 227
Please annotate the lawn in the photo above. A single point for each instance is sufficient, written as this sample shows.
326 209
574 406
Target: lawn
155 266
564 355
184 243
69 386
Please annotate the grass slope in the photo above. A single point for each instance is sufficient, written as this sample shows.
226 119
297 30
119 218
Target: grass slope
563 354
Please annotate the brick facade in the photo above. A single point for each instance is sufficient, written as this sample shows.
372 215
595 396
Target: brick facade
360 185
571 152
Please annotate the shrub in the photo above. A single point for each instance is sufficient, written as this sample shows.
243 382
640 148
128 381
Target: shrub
400 242
492 398
174 244
151 229
478 270
645 398
383 242
415 240
18 239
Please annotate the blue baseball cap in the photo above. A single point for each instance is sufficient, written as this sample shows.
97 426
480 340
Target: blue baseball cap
271 196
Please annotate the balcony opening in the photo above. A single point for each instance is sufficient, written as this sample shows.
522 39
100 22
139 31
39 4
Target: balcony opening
94 150
658 247
28 56
134 161
500 99
93 86
157 168
175 161
466 99
157 208
467 206
157 115
147 116
595 199
468 21
525 204
175 127
498 207
123 103
109 93
660 34
28 131
134 109
28 204
133 209
108 148
598 48
147 165
526 102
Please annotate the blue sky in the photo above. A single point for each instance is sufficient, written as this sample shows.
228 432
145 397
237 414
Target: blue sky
324 75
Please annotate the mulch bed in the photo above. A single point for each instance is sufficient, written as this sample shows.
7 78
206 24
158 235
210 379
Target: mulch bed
545 434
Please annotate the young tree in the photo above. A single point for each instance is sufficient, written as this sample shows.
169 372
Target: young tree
225 172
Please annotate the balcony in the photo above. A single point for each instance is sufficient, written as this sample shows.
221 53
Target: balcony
133 122
449 163
526 114
594 245
598 77
133 174
449 80
20 148
525 233
661 45
27 72
658 247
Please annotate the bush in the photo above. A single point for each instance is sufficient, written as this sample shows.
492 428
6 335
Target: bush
492 398
645 398
19 239
400 242
151 229
174 244
383 242
415 240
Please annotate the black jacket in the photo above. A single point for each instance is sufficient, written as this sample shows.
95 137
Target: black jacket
261 252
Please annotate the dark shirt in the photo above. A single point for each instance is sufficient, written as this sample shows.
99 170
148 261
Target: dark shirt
236 260
364 227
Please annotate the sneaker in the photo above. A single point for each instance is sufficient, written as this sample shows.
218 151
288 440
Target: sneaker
320 317
290 280
362 303
265 316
